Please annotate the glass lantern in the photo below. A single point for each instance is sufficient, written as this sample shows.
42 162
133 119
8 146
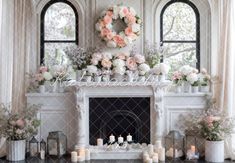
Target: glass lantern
43 145
33 147
174 144
194 144
56 144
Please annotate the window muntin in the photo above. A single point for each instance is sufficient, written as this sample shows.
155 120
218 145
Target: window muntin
180 33
59 29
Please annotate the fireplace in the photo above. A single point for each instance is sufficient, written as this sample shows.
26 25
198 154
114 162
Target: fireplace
119 116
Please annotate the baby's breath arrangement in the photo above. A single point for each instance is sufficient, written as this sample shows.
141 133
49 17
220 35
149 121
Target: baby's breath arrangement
211 124
18 126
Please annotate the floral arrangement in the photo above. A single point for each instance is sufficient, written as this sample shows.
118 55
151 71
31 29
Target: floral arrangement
102 60
177 77
204 77
161 69
105 26
18 126
79 56
193 79
212 124
185 71
43 75
59 72
154 53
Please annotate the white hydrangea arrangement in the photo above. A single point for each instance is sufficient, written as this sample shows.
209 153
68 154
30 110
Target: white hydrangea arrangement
204 77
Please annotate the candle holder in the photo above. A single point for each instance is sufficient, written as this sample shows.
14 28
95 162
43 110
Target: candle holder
174 144
192 147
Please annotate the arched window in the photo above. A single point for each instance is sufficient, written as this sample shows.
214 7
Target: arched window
180 33
59 29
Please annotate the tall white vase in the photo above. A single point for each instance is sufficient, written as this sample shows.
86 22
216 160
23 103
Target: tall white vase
16 150
214 151
186 87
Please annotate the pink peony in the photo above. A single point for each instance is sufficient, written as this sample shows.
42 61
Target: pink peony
131 63
128 31
106 63
131 19
39 77
105 32
124 11
121 56
110 36
107 19
43 69
177 75
20 123
119 40
139 58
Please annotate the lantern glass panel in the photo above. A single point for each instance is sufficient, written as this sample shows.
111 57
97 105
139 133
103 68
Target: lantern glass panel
33 147
174 143
52 147
42 145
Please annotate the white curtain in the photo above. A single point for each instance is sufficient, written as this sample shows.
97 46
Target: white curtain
17 29
223 61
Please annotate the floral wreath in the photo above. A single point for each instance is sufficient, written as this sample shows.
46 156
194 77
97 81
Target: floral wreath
105 26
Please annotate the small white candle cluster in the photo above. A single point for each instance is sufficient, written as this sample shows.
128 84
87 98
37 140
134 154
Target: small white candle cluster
81 155
155 153
42 154
178 153
112 139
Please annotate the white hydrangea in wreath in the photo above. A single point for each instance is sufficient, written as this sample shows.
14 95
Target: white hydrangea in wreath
105 26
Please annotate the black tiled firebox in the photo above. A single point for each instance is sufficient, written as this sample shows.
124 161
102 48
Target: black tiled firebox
119 116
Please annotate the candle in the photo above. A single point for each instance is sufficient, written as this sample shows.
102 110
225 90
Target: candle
150 149
149 160
87 155
129 138
193 149
74 156
82 152
80 158
120 140
111 138
155 158
162 154
158 144
100 142
42 154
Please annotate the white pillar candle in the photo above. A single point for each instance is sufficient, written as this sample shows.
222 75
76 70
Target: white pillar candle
158 144
100 142
150 149
82 152
149 160
161 154
193 149
120 139
74 156
42 154
81 158
129 138
111 138
155 158
88 155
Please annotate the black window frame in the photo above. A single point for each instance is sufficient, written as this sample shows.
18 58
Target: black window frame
197 41
42 27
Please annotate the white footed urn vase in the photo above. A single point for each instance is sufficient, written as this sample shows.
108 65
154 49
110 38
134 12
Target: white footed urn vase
214 151
16 150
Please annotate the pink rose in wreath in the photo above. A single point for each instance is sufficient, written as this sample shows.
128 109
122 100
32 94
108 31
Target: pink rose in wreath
128 31
119 40
131 19
105 32
131 63
107 19
109 13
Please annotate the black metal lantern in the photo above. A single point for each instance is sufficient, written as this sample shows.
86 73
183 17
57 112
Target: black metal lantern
43 145
56 144
33 147
194 143
174 144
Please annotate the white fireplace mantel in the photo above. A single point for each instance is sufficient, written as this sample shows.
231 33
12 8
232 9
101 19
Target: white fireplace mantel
69 111
154 91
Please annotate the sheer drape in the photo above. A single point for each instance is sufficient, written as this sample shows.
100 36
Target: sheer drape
224 62
17 25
